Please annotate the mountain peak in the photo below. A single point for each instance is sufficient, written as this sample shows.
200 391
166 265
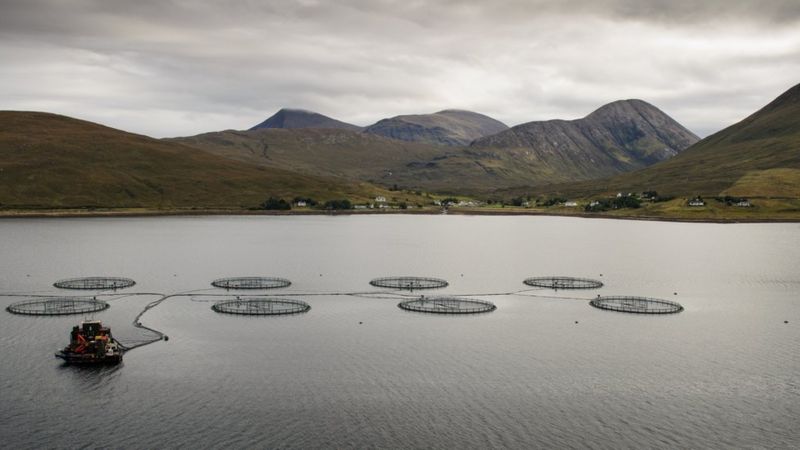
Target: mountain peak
788 98
630 133
302 118
446 127
627 107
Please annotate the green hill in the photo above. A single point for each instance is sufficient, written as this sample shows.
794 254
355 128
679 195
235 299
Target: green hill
52 161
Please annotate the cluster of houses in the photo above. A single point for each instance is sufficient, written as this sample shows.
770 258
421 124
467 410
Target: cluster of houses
741 203
381 203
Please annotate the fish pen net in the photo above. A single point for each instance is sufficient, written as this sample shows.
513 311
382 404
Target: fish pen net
447 305
251 283
410 283
57 306
637 305
563 283
261 306
95 283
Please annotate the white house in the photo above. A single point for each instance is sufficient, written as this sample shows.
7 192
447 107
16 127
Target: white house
744 204
301 204
696 202
571 204
380 199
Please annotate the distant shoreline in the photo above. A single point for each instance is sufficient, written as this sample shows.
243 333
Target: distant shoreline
103 213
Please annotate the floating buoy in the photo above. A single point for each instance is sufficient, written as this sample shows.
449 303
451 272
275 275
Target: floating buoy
576 321
360 323
166 338
785 321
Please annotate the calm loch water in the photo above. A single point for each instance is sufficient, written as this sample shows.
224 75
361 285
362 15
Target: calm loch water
357 371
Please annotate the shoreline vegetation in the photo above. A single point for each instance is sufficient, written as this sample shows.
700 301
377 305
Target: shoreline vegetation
763 211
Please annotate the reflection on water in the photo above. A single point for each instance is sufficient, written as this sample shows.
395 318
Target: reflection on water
543 369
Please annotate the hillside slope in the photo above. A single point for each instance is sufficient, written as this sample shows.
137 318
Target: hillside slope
323 152
620 136
52 161
448 127
299 118
758 157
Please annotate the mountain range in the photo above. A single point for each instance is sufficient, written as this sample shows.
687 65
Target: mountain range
51 161
619 137
756 157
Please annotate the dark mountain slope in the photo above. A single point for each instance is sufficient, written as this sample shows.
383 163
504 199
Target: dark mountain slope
759 156
448 127
620 136
298 118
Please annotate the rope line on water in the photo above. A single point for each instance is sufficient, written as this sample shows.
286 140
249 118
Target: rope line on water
196 295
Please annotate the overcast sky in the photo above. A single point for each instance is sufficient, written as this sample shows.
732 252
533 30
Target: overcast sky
170 68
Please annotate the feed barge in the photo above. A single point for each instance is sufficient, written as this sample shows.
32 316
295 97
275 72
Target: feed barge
91 343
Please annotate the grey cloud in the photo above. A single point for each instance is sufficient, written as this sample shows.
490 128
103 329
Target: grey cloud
180 67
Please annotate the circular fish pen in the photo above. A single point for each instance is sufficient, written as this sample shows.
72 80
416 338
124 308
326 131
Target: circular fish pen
94 283
563 283
251 283
409 283
57 306
261 306
637 305
447 305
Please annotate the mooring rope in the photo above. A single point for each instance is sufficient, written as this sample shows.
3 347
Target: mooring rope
197 295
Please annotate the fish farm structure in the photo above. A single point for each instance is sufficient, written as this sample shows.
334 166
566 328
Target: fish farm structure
563 283
409 283
447 305
251 283
57 306
637 305
95 283
261 306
